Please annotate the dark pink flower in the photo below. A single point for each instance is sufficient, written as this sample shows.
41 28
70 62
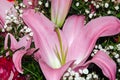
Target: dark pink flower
11 0
8 71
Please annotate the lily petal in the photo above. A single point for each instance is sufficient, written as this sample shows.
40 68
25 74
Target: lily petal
56 73
16 45
24 42
13 42
1 22
1 25
17 58
72 27
59 10
107 65
84 43
44 36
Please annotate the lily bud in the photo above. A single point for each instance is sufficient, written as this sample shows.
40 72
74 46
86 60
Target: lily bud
59 10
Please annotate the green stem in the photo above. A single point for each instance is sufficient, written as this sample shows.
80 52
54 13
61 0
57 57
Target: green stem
30 72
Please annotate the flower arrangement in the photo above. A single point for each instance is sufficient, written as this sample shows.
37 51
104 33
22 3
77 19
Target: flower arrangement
59 40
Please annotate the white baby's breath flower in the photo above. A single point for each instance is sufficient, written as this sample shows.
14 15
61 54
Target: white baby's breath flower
113 0
94 14
70 78
118 60
95 76
7 17
77 74
87 11
109 12
90 15
116 56
77 78
111 47
100 46
97 6
89 76
92 54
82 78
40 2
118 70
116 7
69 69
21 15
46 4
21 11
3 30
72 73
16 7
95 50
106 5
9 28
67 74
21 4
85 71
86 0
5 26
64 78
77 4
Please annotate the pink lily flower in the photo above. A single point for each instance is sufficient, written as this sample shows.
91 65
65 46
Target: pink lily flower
4 6
30 3
59 10
15 45
71 46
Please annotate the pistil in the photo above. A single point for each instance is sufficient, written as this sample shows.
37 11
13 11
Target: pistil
62 53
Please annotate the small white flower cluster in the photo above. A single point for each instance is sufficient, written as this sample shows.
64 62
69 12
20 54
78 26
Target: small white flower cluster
77 4
105 4
46 4
19 7
97 8
12 19
42 5
97 48
82 74
27 30
40 2
107 49
118 46
39 7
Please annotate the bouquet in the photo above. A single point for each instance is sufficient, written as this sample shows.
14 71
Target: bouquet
59 39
